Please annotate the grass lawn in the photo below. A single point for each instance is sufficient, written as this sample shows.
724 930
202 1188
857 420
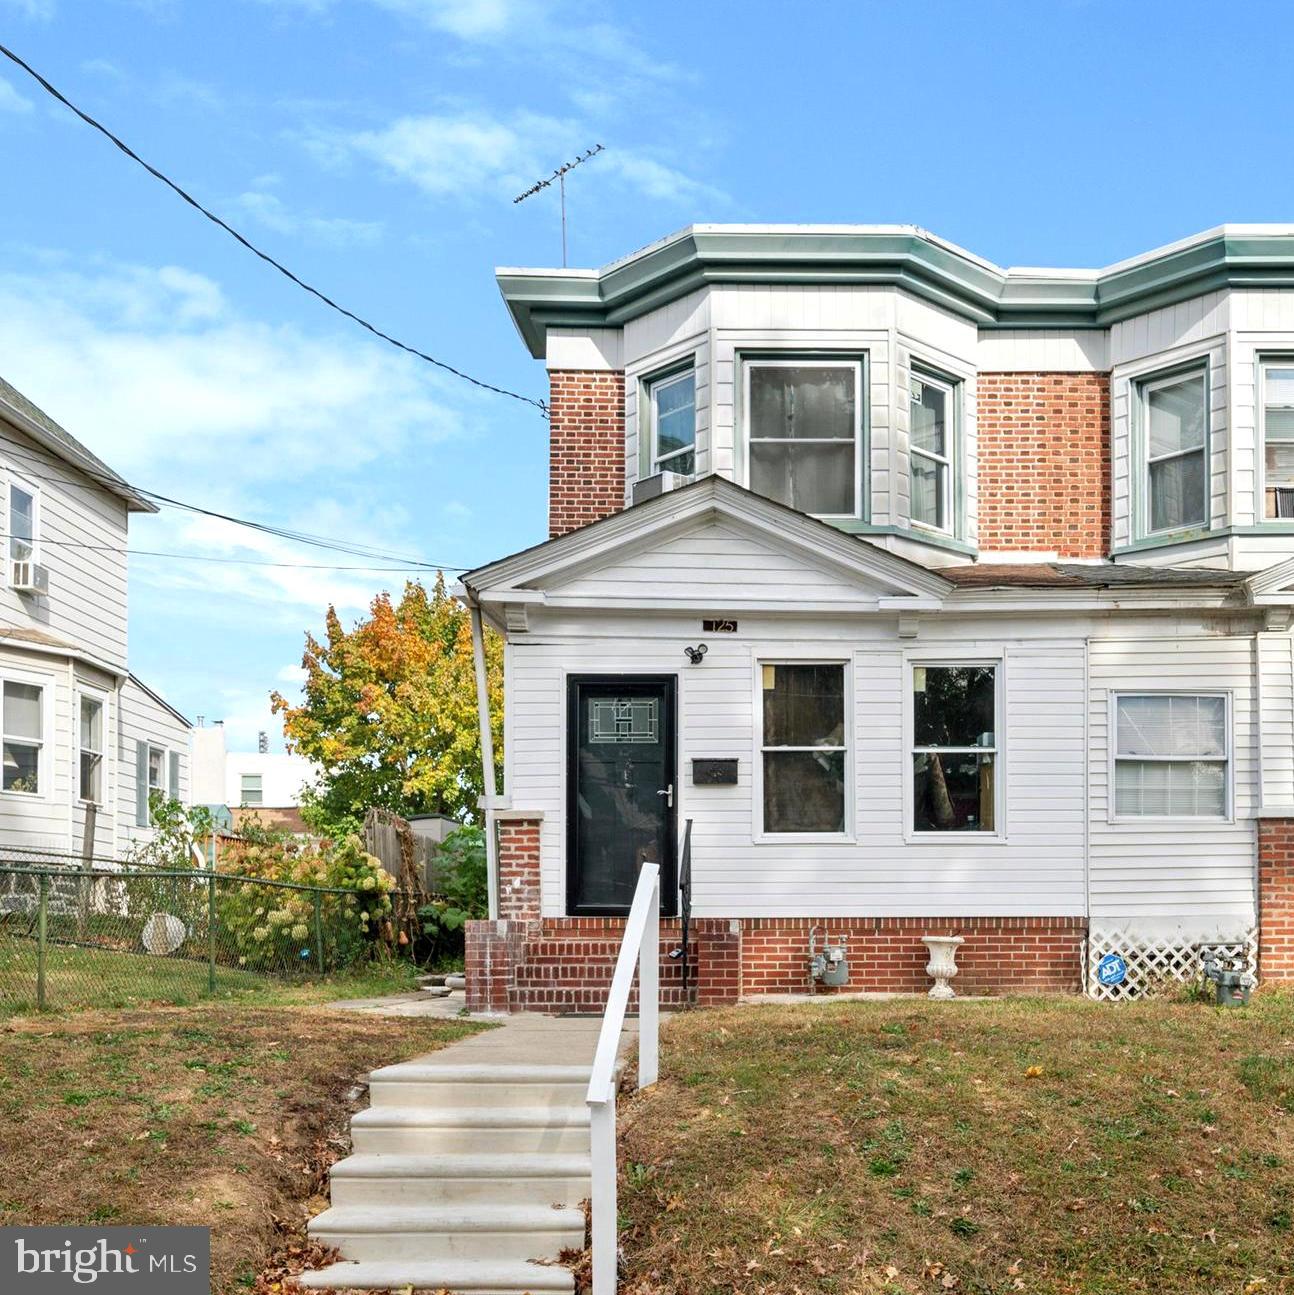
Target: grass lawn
1037 1145
223 1116
77 977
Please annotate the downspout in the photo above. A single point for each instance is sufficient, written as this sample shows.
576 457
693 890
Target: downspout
488 783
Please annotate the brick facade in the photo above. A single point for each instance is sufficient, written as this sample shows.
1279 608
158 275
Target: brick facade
586 457
1276 899
1044 463
566 963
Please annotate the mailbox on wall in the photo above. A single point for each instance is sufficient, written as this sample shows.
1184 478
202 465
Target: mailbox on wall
714 773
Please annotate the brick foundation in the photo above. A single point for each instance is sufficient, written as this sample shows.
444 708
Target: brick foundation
586 460
565 964
1044 463
1276 899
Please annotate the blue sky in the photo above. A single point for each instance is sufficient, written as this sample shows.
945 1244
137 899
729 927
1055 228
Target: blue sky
376 146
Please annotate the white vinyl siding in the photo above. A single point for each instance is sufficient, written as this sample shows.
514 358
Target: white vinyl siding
1194 875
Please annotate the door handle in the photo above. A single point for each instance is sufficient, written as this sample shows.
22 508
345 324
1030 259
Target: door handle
668 793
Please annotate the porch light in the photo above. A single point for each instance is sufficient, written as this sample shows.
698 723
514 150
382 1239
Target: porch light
696 654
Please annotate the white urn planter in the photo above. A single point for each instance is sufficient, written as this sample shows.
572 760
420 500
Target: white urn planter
942 966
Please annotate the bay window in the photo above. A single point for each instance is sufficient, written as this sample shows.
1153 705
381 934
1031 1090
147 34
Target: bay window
23 738
930 451
1175 419
1277 385
1171 755
804 427
954 748
672 411
803 747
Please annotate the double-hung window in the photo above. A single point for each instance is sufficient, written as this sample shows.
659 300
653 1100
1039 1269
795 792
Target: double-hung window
23 721
1175 419
24 509
91 765
250 789
1171 755
930 451
804 432
672 407
803 753
1277 385
954 748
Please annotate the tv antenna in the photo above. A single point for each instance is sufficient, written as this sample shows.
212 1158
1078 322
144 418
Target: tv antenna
560 176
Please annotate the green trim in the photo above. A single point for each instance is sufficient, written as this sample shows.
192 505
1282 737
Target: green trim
987 295
932 538
1139 492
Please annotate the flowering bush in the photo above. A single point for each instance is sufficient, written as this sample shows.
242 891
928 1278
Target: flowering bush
275 925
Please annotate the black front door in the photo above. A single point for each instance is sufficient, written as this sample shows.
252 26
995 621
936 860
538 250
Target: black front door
620 789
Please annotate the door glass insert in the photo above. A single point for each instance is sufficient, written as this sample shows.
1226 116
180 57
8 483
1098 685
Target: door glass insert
624 719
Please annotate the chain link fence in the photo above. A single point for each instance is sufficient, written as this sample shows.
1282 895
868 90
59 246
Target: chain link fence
92 932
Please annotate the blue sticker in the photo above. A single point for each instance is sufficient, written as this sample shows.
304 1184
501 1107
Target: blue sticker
1112 970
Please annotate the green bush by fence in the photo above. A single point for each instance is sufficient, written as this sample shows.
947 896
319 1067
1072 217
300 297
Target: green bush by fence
78 933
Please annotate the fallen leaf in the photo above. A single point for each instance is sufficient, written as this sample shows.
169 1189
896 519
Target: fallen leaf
1033 1072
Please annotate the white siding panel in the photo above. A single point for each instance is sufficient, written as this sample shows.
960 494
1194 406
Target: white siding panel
1044 350
1188 875
1036 869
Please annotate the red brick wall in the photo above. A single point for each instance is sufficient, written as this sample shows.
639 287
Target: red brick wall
885 954
519 898
1044 462
566 964
1276 899
586 461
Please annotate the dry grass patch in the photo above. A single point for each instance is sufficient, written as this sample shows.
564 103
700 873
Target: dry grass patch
220 1116
1052 1146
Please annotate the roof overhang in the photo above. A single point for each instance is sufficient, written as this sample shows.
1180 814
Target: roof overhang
901 255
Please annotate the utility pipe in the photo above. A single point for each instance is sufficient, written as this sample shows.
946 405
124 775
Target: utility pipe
487 756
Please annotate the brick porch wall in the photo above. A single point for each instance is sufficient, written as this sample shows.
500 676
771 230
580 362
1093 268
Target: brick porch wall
1044 462
1276 899
566 964
586 458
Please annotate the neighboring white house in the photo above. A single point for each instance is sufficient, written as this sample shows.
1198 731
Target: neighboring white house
937 597
84 741
246 780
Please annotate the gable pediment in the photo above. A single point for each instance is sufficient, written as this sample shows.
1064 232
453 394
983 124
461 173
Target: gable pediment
711 545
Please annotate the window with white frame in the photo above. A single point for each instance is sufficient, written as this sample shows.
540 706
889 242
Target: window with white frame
250 789
804 431
1175 420
91 763
156 771
24 510
23 722
930 451
803 747
1171 755
1277 386
954 748
672 409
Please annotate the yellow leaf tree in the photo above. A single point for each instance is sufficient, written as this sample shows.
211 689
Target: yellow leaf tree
388 710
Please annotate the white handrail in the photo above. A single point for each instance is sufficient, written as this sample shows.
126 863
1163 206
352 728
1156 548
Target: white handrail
641 944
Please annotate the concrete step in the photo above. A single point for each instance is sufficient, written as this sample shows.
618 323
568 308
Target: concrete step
437 1130
494 1178
462 1276
421 1233
500 1084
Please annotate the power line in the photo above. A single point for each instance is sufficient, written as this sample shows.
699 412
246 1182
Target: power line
256 251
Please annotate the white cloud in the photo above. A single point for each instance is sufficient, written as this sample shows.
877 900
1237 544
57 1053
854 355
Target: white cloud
11 100
40 9
168 372
469 19
475 154
269 210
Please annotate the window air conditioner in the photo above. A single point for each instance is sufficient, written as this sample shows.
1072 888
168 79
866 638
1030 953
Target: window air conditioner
658 484
28 577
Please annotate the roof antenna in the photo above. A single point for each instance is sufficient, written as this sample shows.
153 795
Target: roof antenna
560 176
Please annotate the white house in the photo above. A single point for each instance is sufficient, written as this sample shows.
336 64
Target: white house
269 784
84 740
936 597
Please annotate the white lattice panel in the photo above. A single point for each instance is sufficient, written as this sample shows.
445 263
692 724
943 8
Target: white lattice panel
1151 962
